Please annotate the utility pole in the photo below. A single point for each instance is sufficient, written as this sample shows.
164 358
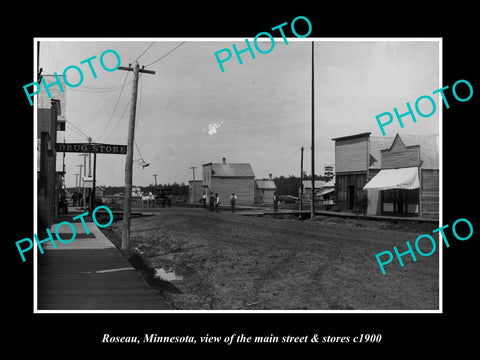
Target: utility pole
194 197
39 70
127 206
156 187
301 179
84 175
63 164
90 198
312 211
94 184
80 178
89 158
76 183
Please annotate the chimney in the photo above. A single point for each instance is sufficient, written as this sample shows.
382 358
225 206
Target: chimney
224 160
270 176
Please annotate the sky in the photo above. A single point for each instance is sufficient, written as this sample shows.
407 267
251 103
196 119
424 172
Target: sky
190 112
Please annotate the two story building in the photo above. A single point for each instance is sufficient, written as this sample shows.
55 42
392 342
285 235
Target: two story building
385 175
227 178
51 119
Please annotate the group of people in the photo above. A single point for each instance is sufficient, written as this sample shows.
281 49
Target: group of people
214 201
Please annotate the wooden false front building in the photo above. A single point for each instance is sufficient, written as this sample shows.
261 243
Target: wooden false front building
264 191
388 176
227 178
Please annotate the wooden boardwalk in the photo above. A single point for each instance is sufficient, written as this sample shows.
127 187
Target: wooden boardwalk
351 215
90 273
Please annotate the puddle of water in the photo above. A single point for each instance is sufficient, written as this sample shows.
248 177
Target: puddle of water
160 273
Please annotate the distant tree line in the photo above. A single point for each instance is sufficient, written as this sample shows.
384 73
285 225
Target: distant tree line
174 189
171 189
290 185
286 185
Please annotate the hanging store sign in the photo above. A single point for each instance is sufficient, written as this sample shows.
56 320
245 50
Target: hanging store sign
91 148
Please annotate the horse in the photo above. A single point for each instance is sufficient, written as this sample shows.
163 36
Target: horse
148 199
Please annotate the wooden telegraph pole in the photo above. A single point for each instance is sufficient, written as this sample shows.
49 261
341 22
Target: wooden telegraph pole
94 183
194 197
76 182
301 180
312 211
84 176
127 206
80 181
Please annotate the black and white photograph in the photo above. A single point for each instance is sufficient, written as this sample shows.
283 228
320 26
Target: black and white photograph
220 213
235 181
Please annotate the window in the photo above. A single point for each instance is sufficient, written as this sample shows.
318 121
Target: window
400 201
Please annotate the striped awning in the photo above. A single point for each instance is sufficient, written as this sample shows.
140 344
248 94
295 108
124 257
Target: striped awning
401 178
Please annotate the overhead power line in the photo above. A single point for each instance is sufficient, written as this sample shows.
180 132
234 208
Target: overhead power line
100 90
77 132
281 162
115 107
139 107
70 122
119 120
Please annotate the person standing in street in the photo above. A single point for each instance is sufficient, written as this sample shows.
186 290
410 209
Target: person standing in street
204 200
233 201
275 202
217 202
212 201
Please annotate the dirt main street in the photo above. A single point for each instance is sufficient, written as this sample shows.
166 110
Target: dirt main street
226 261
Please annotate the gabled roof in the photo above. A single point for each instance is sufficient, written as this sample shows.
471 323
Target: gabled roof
232 170
378 143
349 137
265 184
429 149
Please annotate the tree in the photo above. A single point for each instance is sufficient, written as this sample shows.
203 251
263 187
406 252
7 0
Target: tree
287 185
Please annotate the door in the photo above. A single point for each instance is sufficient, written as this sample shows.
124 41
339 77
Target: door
351 197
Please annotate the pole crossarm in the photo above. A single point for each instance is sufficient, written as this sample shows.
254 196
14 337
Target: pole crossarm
142 70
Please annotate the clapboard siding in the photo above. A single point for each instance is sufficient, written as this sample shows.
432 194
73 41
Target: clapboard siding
264 196
399 155
198 191
400 158
351 155
242 187
342 183
430 193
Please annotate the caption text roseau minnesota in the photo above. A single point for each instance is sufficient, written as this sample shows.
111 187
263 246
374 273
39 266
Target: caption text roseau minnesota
243 339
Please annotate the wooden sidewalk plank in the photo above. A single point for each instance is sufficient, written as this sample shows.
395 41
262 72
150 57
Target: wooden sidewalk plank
68 278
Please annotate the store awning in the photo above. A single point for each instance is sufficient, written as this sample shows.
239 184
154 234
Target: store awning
325 191
402 178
